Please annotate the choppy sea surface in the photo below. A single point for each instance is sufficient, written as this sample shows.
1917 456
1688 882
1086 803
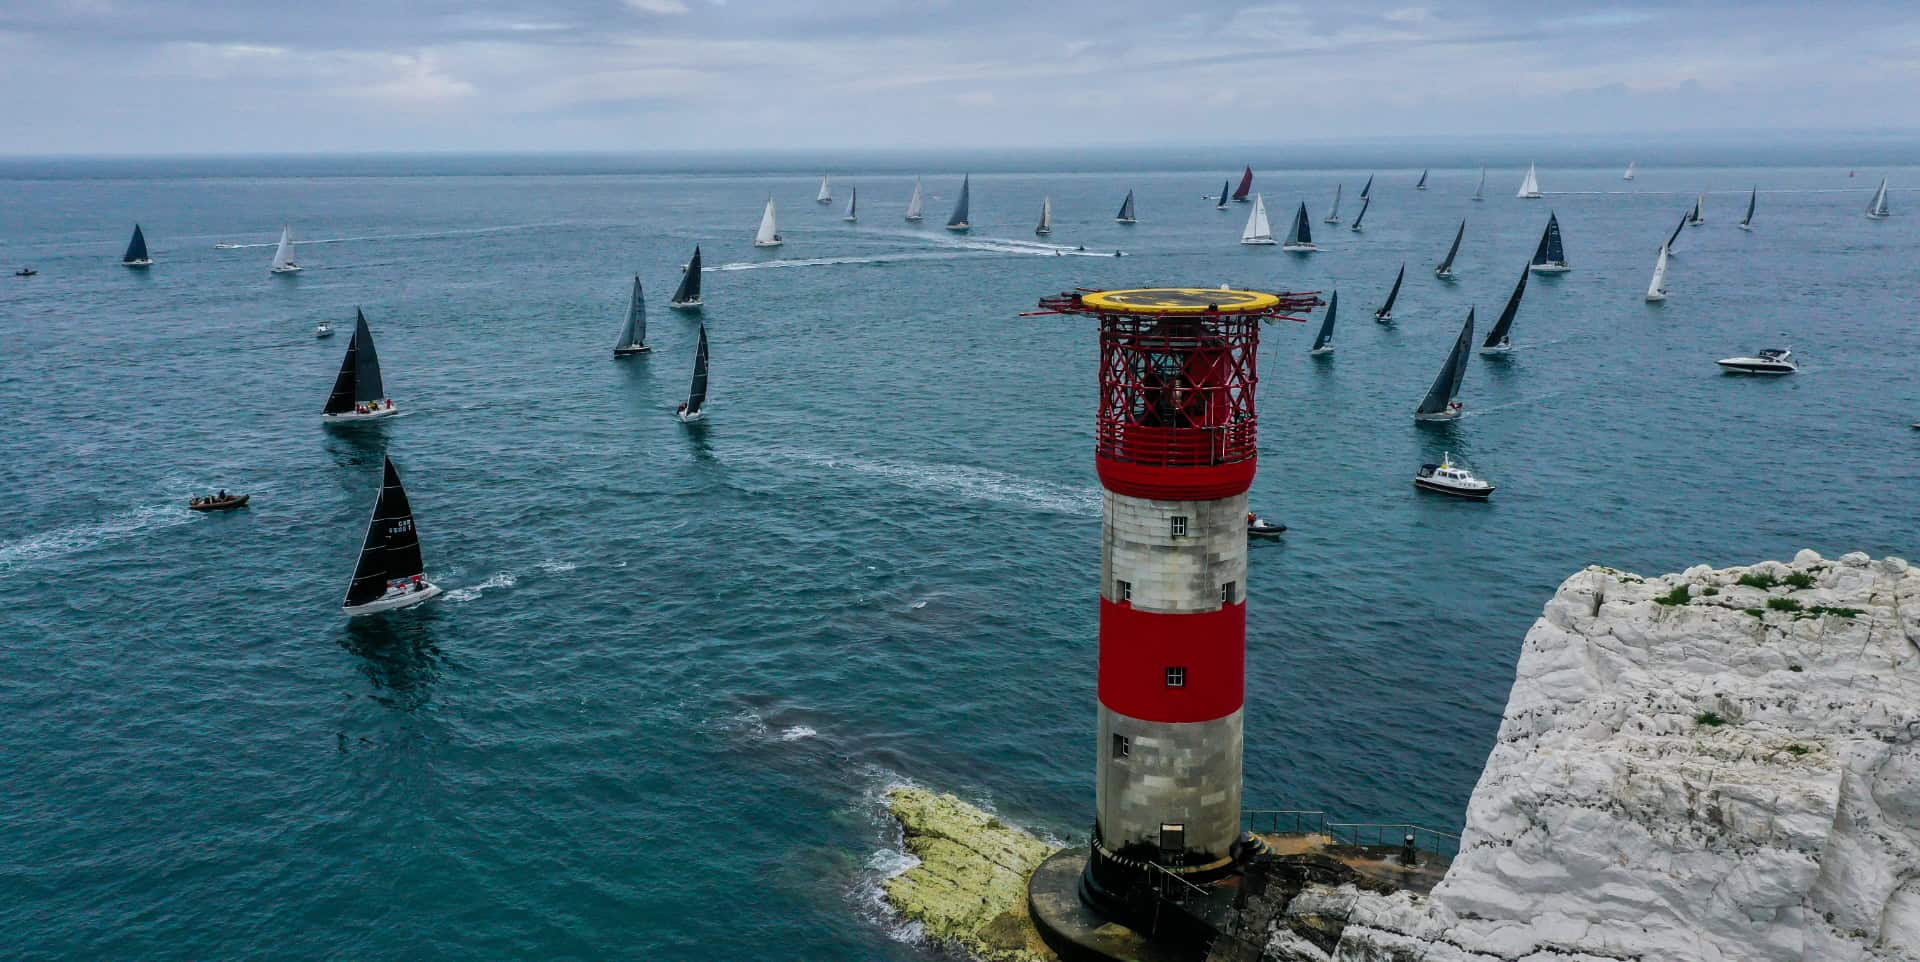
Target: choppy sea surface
676 669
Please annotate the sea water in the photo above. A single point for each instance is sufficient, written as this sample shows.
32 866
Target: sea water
676 669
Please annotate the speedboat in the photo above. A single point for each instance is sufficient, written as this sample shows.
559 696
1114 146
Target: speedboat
1257 525
219 502
25 272
1452 479
325 329
1769 361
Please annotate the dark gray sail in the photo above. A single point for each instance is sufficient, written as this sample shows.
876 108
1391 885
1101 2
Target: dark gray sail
1498 336
359 378
1365 202
1550 251
1223 196
959 218
1301 233
1126 210
1447 386
1422 185
1367 191
391 551
136 248
1326 324
697 395
1386 310
634 334
688 293
1677 228
1752 196
1446 266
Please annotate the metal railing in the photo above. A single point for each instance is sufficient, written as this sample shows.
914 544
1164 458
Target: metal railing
1390 834
1274 821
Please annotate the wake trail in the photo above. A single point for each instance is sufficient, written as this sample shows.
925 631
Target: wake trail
975 484
74 539
467 232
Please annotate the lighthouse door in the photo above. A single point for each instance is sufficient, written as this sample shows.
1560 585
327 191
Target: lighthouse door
1173 843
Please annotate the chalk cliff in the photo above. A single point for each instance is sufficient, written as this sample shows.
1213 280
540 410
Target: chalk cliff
1711 765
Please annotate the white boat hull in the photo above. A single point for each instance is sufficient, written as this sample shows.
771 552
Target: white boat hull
1321 350
351 416
1498 349
323 332
1475 494
1748 367
1044 231
1299 248
685 418
914 218
1442 416
1444 275
685 305
771 243
959 227
394 599
632 349
289 269
1873 216
1530 196
1656 298
1386 318
1548 268
1259 242
1745 227
148 262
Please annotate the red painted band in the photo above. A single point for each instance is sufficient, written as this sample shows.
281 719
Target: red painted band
1137 648
1157 483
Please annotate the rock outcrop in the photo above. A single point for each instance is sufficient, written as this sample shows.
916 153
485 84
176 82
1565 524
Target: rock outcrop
1714 765
970 888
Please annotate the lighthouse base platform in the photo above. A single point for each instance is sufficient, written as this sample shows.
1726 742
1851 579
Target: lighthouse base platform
1230 920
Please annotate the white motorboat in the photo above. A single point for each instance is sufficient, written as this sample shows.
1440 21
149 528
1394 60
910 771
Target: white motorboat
1452 479
323 329
1776 360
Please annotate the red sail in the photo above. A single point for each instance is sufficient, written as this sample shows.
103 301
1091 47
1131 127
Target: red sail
1246 184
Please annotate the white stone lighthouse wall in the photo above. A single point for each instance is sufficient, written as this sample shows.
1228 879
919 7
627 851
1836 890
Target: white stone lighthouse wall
1186 773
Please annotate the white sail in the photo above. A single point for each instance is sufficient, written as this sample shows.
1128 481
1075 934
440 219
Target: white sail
826 193
1878 208
769 235
1046 216
1530 187
1631 164
1333 216
853 206
1657 290
1258 230
1480 192
913 206
283 255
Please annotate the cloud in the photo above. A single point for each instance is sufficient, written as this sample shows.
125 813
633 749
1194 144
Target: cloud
662 7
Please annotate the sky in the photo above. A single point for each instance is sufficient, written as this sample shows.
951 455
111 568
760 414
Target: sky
325 76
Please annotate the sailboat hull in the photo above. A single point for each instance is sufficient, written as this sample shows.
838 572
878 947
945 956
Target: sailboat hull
1043 231
772 243
148 261
288 269
1386 318
1442 416
685 305
1258 241
959 228
394 599
1656 298
1548 268
632 349
1320 351
346 417
1501 348
1444 275
686 418
1873 216
1299 248
914 218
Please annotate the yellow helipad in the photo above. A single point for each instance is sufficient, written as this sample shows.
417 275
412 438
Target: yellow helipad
1180 300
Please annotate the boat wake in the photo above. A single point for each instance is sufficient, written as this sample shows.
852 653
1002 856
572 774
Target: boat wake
945 248
504 579
430 235
82 537
977 484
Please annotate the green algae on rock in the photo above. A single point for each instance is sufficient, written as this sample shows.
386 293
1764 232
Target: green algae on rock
970 888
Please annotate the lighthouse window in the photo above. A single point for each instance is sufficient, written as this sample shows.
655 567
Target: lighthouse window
1176 678
1122 590
1179 524
1121 747
1227 591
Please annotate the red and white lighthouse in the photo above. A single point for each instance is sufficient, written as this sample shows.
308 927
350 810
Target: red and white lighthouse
1176 448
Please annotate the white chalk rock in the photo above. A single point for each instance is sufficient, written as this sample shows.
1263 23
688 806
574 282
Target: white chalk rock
1692 781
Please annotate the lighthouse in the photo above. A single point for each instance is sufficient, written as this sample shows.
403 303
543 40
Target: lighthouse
1175 444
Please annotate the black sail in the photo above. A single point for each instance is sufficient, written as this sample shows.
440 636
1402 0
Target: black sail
341 400
1126 209
1498 336
1367 191
1752 196
1326 325
1555 253
1301 233
1447 265
392 549
1392 295
136 248
1422 185
959 218
689 289
1677 228
1365 202
1447 384
366 377
1223 196
697 395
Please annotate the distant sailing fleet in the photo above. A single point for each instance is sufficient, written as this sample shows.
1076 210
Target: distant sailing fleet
390 572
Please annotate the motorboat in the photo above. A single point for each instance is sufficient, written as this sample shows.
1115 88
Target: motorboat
25 272
1452 479
219 502
1769 361
1259 526
323 329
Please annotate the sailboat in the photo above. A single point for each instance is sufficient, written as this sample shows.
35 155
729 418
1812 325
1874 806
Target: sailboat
1046 217
633 337
1441 402
283 255
1257 231
1385 314
1366 190
959 222
1300 238
1445 270
686 297
1246 184
1323 341
1365 202
1333 215
1126 211
853 205
1631 164
914 203
1549 257
1657 288
136 255
769 233
1422 184
1496 342
826 193
1753 195
390 573
1480 192
1530 187
695 407
358 393
1223 197
1876 210
1699 203
1677 228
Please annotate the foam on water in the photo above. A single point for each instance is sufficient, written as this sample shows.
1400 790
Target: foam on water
81 537
504 579
948 480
